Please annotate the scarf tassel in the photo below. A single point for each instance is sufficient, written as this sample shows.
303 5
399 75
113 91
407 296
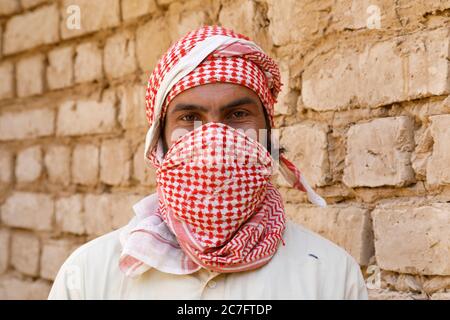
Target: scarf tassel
295 178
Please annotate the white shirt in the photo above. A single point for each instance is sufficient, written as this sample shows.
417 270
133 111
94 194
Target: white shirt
307 267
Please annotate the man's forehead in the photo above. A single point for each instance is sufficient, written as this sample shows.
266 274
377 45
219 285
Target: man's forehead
218 94
193 106
216 90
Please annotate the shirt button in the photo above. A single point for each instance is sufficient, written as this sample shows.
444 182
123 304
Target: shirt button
212 284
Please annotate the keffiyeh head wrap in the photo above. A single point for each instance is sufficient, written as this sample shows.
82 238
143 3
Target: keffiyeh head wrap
207 55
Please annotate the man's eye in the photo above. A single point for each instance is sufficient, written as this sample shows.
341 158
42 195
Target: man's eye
239 114
189 117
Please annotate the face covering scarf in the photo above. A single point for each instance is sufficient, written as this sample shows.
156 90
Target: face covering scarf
219 213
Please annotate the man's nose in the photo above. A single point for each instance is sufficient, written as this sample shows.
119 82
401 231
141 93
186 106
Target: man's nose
214 117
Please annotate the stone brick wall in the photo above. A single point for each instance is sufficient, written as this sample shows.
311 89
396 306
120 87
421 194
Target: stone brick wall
364 112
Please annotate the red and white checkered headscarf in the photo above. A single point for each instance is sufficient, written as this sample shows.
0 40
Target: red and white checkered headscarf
168 239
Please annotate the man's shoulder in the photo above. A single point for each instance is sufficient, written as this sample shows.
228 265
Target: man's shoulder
101 248
308 243
79 276
321 263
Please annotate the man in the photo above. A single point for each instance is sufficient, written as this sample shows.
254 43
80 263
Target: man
216 228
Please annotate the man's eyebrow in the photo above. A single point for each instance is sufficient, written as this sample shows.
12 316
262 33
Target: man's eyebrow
188 107
196 107
238 102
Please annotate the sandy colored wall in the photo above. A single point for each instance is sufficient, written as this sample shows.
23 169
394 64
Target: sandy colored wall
364 113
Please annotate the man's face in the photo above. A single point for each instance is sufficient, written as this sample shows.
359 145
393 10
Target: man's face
227 103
